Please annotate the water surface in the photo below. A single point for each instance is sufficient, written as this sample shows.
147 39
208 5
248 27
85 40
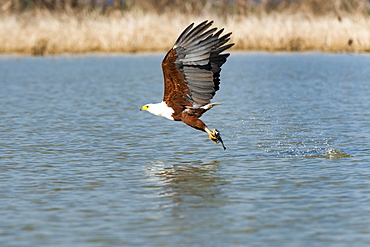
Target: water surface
80 165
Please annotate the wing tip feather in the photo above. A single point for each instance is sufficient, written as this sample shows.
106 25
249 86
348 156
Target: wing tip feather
199 47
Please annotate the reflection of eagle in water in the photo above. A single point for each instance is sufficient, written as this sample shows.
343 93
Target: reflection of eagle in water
191 71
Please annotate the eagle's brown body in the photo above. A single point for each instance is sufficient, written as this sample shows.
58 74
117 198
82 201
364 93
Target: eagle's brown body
191 71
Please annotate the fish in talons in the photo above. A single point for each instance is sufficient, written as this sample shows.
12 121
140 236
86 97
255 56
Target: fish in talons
215 136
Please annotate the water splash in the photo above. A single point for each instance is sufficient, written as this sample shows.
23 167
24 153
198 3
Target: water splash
333 153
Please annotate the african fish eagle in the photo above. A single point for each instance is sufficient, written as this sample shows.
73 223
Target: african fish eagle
191 71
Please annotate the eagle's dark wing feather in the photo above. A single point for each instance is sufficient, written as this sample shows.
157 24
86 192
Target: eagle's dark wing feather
192 67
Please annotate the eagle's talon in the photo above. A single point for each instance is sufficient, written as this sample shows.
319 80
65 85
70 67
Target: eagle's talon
214 140
214 135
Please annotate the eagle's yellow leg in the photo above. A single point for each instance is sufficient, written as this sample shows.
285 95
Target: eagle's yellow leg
215 136
212 134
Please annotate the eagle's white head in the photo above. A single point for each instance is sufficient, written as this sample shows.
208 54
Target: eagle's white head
159 109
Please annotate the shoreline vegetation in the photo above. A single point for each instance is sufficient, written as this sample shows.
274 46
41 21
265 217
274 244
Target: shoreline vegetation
50 27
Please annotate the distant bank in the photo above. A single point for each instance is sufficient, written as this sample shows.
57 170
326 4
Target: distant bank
46 33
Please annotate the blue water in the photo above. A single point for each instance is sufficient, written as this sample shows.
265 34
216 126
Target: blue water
80 165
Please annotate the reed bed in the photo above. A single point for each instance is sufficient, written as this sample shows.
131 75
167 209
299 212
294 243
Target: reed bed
46 33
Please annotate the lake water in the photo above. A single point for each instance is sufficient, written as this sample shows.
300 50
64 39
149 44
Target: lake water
80 165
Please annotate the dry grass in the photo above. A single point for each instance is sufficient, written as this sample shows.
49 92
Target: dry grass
302 33
43 33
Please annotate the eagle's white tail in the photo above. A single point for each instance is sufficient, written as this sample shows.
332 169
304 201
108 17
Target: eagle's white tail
209 106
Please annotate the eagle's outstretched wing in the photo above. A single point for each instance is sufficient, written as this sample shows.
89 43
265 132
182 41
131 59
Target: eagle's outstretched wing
192 67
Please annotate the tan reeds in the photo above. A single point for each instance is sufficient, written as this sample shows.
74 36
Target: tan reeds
298 32
43 32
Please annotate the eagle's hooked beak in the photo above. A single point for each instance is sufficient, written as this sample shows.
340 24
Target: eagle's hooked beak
144 108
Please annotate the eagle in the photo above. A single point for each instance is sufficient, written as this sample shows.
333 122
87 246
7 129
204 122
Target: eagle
191 71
